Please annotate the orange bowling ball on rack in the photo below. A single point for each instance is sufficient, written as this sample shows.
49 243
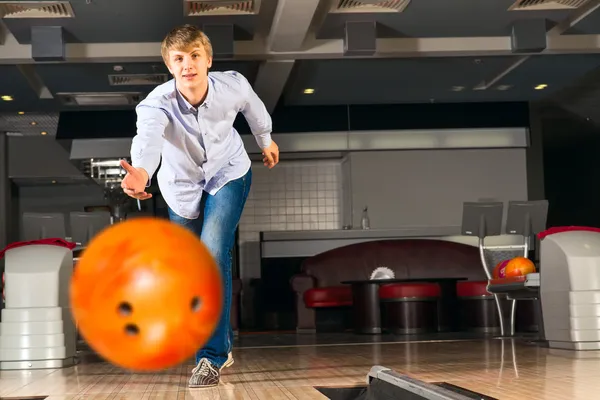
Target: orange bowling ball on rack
146 294
519 266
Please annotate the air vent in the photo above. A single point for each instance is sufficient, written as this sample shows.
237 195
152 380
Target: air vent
100 99
198 8
537 5
36 9
137 79
368 6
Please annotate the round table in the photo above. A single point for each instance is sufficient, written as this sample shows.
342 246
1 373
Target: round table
367 315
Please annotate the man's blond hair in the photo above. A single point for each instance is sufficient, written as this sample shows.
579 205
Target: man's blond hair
184 38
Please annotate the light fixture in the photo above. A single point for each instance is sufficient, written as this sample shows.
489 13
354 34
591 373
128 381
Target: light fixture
309 91
457 88
541 86
7 98
53 181
44 133
21 112
33 123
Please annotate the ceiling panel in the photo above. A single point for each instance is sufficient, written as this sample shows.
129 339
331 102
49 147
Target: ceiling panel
94 77
556 71
441 18
421 80
118 21
389 80
13 83
89 77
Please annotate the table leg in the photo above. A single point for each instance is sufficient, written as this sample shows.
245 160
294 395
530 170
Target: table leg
367 315
447 307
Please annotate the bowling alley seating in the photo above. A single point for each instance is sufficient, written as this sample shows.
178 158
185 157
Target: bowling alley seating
319 289
409 308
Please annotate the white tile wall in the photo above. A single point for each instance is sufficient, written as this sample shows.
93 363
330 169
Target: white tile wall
294 196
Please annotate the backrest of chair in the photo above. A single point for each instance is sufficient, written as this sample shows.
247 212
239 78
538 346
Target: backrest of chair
36 226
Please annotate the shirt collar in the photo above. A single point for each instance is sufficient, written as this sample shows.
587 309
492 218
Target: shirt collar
185 105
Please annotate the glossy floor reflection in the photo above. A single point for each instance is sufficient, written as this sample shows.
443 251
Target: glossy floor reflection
498 368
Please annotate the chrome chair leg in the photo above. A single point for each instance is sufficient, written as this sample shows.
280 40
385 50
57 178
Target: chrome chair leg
500 315
513 311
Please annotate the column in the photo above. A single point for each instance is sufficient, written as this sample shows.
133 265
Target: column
5 218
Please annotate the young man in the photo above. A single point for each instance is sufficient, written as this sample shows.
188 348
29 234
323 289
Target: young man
205 173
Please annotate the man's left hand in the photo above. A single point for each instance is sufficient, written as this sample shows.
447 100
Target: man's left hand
271 155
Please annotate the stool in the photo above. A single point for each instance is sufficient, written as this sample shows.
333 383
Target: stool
478 308
409 308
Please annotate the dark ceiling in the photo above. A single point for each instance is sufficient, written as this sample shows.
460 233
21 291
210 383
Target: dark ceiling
430 51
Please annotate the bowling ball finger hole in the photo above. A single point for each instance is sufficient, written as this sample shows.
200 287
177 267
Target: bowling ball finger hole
132 329
125 309
195 304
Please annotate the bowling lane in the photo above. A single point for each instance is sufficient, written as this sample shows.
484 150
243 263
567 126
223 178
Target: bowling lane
498 369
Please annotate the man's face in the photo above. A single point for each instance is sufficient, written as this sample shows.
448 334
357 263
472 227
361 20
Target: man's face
189 67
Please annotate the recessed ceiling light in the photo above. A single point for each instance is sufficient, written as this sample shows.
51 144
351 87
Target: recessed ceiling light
7 98
541 86
458 88
44 133
53 181
503 87
21 112
309 91
33 123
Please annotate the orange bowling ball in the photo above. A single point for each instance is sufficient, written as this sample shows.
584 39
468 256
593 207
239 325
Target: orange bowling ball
519 266
499 269
146 294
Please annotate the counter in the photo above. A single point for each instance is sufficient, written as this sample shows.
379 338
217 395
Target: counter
278 244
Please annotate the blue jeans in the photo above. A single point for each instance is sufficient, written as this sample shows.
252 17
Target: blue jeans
216 228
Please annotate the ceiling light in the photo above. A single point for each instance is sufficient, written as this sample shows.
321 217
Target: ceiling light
7 98
503 87
53 181
458 88
541 86
309 91
33 123
44 133
21 112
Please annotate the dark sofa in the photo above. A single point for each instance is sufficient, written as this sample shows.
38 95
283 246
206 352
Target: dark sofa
319 285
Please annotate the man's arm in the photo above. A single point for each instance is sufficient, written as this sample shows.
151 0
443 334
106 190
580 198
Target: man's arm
256 114
146 146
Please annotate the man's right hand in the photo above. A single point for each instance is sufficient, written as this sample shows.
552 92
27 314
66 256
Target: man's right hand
134 183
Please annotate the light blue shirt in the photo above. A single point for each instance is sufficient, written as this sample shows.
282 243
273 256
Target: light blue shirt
200 148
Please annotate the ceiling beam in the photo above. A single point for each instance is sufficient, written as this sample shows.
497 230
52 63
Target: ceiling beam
291 24
270 81
14 53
